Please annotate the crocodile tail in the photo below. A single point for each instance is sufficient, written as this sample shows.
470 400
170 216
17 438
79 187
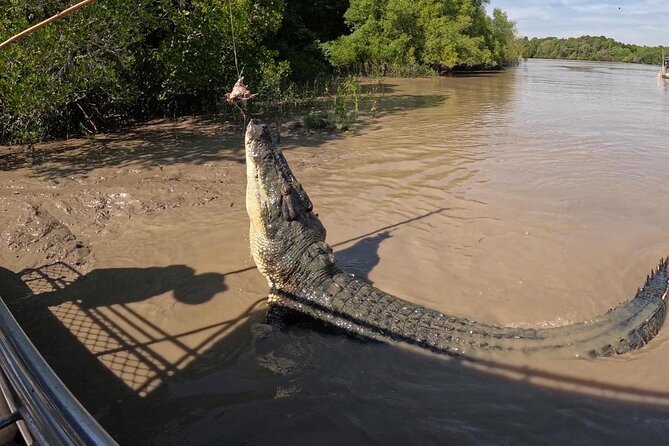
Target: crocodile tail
647 312
361 309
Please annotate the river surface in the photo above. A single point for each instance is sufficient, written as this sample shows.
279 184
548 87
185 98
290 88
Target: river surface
535 197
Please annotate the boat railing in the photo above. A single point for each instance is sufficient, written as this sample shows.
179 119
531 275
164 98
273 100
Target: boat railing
37 402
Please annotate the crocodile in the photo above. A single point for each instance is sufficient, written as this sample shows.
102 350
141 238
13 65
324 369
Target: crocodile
288 245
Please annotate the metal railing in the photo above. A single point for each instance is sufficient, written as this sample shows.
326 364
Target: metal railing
40 405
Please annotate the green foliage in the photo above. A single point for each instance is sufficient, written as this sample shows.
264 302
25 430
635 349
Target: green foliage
439 34
118 60
121 61
305 24
51 77
346 103
590 48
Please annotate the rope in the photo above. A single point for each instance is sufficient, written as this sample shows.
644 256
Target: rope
234 51
234 45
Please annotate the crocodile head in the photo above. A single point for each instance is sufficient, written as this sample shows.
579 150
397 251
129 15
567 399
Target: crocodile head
283 226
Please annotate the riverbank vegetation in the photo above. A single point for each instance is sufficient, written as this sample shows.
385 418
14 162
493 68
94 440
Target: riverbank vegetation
589 48
408 36
117 62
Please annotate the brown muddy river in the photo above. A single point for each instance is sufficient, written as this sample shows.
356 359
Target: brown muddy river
535 197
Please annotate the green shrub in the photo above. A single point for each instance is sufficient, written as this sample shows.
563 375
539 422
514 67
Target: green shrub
391 36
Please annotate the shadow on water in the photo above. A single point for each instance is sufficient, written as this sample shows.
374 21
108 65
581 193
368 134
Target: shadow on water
360 258
392 104
247 382
477 73
377 87
312 388
371 235
107 352
60 283
302 386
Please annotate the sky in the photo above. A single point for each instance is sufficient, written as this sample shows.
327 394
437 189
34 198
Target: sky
642 22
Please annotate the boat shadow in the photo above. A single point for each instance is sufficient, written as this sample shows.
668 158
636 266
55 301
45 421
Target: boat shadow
109 353
297 383
216 382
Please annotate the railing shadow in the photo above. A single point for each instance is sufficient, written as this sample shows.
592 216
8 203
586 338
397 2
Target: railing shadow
303 385
108 353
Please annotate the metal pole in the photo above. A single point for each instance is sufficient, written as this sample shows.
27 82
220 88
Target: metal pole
34 28
54 416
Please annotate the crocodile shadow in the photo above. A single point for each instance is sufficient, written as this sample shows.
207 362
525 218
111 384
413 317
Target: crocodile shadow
363 256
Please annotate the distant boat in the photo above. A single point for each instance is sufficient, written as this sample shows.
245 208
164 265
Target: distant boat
664 69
